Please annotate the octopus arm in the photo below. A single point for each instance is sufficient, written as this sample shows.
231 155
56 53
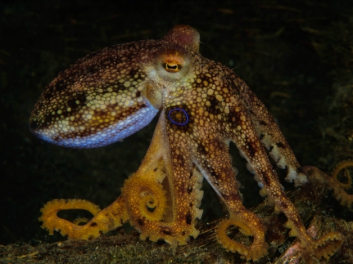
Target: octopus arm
217 169
271 136
103 220
176 214
248 142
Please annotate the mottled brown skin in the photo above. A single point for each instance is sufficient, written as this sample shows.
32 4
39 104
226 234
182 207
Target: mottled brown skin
203 105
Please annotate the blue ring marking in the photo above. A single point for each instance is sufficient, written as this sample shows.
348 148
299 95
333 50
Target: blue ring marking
175 122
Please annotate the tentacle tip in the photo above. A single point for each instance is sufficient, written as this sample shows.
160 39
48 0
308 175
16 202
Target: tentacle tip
254 252
325 247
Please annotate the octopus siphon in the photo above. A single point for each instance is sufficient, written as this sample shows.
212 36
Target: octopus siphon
202 106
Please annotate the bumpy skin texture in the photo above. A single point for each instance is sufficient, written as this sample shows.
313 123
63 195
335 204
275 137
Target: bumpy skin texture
202 106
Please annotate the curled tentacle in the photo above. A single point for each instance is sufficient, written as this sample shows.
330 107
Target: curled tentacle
146 201
338 187
332 183
103 220
257 250
343 166
52 222
145 198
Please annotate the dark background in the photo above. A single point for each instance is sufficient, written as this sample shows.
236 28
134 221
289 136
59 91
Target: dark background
295 55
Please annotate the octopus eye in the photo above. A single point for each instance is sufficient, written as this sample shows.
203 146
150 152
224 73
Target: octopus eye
178 116
172 67
173 60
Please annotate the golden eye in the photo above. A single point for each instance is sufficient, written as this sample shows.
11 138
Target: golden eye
172 61
172 67
173 64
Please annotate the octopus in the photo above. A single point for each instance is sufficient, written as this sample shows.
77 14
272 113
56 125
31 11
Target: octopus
202 106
